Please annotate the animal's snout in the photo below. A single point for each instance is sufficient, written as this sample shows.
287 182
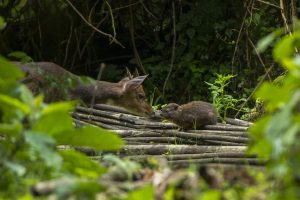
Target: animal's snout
151 112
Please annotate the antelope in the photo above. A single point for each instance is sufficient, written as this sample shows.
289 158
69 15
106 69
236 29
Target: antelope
57 84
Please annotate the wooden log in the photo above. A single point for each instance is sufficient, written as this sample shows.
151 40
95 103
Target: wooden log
102 120
239 161
238 122
173 140
111 108
224 132
189 156
206 136
111 115
138 133
223 127
102 125
223 143
159 149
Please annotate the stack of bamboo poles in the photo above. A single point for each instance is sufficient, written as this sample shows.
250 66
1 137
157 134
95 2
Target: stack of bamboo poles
220 143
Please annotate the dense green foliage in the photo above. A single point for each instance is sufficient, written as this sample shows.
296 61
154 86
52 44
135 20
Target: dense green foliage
211 37
210 56
276 134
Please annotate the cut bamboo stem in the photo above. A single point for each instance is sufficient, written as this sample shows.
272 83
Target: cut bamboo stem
159 149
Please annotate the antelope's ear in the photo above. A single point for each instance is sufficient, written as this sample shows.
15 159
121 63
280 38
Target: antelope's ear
134 83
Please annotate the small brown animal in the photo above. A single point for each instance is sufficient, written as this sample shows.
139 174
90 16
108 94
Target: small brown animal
59 84
193 115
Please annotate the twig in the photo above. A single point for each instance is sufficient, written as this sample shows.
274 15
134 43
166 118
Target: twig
259 58
93 27
285 21
173 50
252 93
148 11
136 53
68 43
270 4
102 66
239 36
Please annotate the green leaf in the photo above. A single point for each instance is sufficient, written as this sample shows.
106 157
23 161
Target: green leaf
146 193
7 102
9 70
2 23
20 170
285 49
55 118
267 40
55 123
274 95
13 128
20 4
22 56
81 165
59 107
256 18
25 94
44 147
91 136
211 194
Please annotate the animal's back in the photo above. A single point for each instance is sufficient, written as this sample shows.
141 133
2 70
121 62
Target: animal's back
196 114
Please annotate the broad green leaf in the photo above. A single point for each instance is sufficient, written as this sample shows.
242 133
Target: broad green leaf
20 4
145 193
2 23
55 123
26 197
274 95
258 129
42 146
285 49
22 56
211 194
169 194
20 170
87 189
59 107
92 137
267 40
290 135
9 102
81 165
11 129
26 94
9 70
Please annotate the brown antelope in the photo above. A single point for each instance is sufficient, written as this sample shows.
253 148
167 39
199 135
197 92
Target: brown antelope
57 84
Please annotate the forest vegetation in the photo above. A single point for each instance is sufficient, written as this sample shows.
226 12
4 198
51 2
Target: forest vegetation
242 56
